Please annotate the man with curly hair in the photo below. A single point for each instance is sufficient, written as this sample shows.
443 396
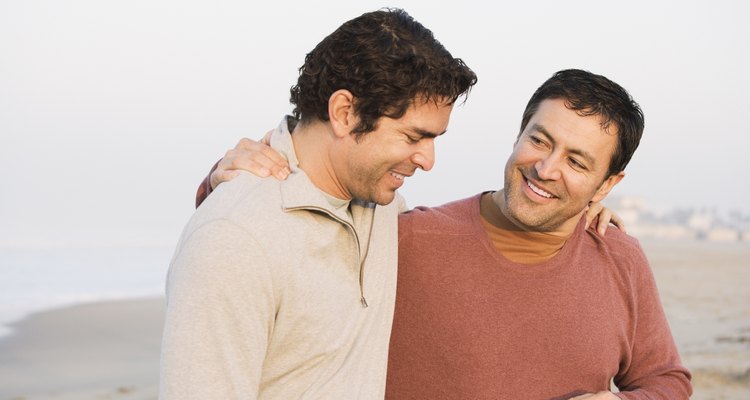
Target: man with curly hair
285 289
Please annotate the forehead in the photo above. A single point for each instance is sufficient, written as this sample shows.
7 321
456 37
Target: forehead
428 116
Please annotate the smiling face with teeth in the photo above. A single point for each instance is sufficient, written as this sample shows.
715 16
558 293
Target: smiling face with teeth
558 165
378 162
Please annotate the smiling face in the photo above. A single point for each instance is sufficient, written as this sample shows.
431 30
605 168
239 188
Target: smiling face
558 165
378 162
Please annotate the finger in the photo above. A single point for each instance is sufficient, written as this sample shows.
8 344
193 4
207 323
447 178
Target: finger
261 163
228 175
244 143
618 222
592 211
229 168
273 155
281 173
257 165
220 176
261 153
276 164
604 217
226 164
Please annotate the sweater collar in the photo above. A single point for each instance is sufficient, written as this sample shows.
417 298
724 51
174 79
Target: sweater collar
298 191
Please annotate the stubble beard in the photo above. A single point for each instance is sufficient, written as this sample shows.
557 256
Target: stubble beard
535 217
366 187
524 214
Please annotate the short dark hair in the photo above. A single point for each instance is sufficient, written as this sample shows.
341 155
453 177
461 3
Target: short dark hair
386 60
590 94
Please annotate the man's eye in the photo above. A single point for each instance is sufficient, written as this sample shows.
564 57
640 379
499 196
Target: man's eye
412 140
577 165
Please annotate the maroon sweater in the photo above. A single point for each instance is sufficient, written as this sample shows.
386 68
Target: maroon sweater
471 324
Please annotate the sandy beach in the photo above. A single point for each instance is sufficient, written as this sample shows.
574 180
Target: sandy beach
106 350
110 350
705 292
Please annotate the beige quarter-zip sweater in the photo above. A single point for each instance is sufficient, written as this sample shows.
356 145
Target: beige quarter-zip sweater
276 292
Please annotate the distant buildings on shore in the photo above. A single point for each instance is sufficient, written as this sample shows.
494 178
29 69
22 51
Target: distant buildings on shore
698 224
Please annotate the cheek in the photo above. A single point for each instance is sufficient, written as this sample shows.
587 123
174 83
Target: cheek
580 187
514 157
399 154
523 153
509 165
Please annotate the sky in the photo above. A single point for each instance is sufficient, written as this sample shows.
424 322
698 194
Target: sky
111 112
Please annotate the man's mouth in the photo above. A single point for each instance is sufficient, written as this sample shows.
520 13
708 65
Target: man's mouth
397 175
538 190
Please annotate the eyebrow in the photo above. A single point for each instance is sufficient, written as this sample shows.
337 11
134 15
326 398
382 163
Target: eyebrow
586 155
426 134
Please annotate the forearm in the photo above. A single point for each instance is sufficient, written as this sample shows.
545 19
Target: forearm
669 382
204 189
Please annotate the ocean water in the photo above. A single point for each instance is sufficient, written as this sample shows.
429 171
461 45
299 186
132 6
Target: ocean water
33 280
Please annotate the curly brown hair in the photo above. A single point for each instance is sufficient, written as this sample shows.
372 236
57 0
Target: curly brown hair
386 60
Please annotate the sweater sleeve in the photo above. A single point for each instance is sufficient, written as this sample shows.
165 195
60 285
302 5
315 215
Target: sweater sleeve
204 189
654 370
220 312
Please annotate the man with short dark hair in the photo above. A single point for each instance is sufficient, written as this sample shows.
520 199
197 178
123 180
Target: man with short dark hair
285 289
507 295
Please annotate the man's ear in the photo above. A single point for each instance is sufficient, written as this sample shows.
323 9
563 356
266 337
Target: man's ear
607 185
341 112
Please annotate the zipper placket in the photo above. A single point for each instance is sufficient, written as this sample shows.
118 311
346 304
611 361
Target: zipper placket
351 229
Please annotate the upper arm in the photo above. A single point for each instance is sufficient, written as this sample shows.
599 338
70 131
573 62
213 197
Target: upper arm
220 310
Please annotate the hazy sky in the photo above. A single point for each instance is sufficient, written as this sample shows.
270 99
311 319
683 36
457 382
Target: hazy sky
111 112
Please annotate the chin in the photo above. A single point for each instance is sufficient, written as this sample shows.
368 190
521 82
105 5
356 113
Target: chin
383 199
529 218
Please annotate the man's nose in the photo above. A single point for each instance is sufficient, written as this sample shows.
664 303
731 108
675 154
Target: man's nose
548 168
424 157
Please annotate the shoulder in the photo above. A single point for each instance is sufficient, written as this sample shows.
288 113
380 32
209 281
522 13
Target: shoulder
233 214
619 242
622 250
216 252
235 231
246 191
247 200
456 216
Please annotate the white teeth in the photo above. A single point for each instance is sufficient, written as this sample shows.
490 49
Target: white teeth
398 176
539 191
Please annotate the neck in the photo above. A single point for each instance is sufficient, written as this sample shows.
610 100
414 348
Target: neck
313 145
518 245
